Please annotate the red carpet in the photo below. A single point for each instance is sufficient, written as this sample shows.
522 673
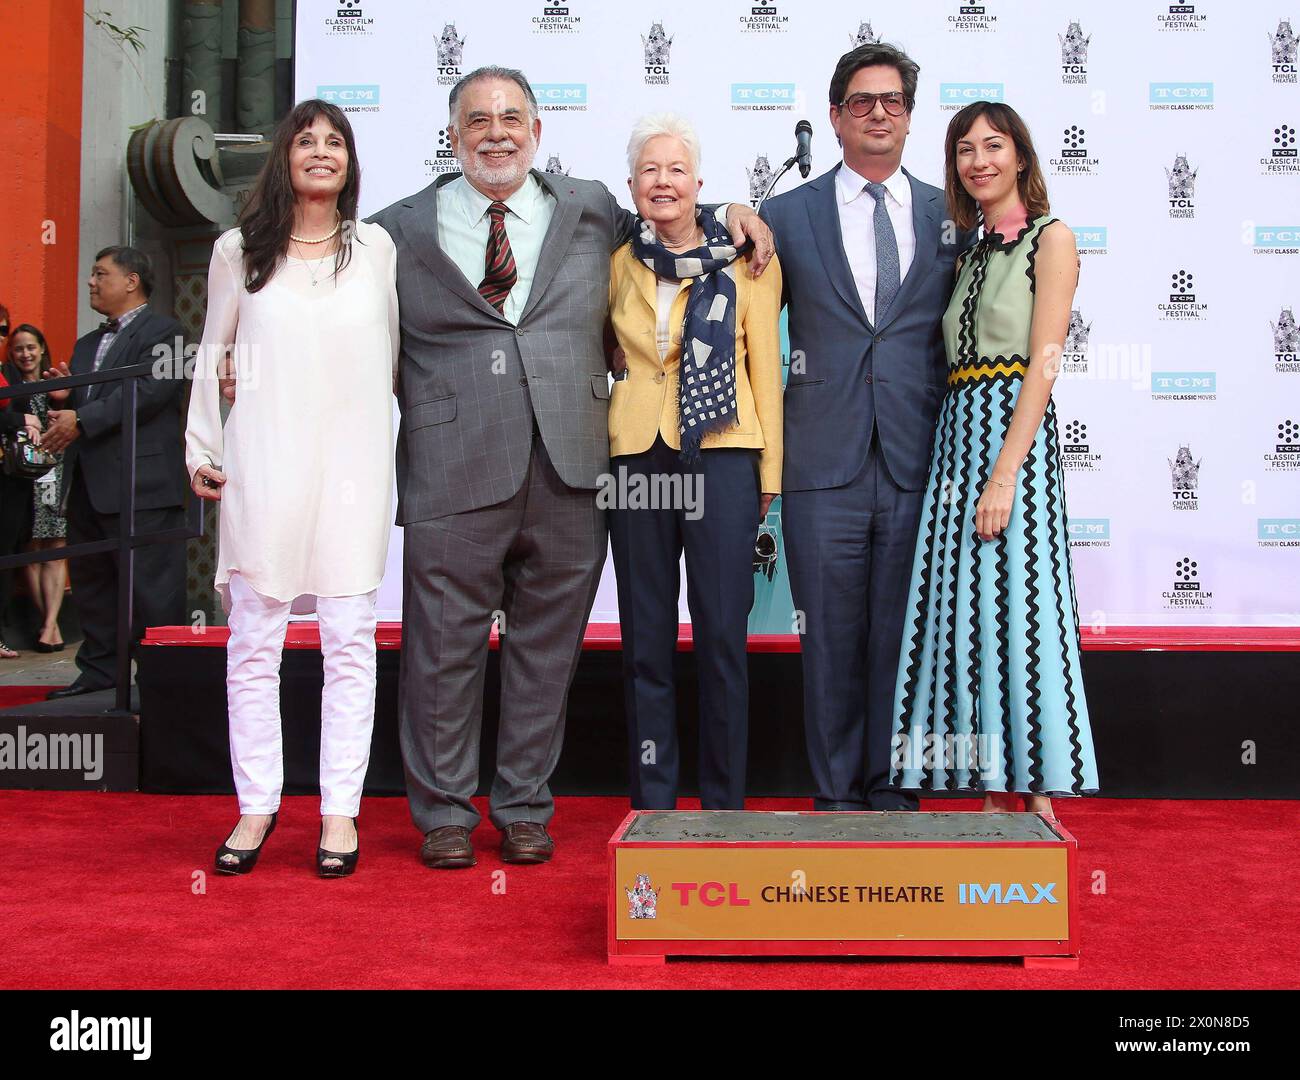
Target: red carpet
97 892
22 695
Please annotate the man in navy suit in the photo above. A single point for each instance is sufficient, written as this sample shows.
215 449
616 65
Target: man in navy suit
89 429
867 373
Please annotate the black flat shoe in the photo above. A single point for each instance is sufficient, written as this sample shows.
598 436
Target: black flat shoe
242 860
347 859
46 647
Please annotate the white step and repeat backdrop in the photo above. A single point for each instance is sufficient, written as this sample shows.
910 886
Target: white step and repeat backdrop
1168 134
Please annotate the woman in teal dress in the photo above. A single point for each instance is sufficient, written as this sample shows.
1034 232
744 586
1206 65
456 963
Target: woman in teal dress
990 692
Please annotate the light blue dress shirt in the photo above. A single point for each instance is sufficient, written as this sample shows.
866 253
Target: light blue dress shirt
463 227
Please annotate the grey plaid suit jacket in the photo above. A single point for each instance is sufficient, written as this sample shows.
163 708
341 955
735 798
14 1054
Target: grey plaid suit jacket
472 383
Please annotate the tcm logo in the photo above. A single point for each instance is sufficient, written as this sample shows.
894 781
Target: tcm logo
964 93
762 93
996 893
349 95
1094 237
1090 528
1279 528
1181 93
1277 236
1184 382
710 893
560 93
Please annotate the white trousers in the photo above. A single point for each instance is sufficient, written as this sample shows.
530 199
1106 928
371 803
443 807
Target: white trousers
347 634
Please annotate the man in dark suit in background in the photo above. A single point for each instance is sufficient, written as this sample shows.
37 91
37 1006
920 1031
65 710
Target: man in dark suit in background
866 300
90 433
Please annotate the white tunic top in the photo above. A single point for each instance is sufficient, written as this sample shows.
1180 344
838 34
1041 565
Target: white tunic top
307 449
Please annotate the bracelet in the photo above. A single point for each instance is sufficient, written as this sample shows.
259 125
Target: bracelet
1001 484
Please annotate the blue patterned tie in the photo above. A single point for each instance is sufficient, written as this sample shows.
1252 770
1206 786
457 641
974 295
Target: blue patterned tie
887 277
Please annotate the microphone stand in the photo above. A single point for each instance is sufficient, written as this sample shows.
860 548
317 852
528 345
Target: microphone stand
789 164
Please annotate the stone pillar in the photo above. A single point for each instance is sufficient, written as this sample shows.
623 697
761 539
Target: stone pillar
256 96
201 61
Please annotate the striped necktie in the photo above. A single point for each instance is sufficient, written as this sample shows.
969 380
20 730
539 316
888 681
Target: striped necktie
499 275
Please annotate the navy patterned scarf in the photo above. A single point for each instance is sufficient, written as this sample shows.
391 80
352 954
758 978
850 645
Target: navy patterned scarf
706 392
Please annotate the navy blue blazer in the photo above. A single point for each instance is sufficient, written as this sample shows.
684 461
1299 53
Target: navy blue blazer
858 378
161 480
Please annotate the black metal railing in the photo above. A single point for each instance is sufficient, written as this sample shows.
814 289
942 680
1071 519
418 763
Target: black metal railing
127 538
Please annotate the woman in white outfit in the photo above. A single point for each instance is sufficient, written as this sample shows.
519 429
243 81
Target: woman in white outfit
302 304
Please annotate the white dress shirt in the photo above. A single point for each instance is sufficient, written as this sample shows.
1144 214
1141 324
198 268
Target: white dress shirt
857 226
464 225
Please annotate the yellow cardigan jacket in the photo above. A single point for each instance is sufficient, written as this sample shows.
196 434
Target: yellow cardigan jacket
644 402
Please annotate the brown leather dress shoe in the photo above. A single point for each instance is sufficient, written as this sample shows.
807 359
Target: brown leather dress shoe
447 848
526 842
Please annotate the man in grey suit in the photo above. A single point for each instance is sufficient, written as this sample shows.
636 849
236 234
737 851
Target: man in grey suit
503 285
867 373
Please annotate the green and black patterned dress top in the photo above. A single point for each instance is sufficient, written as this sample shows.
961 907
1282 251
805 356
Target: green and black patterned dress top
990 691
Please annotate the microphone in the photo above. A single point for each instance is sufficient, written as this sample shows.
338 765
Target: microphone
803 147
802 157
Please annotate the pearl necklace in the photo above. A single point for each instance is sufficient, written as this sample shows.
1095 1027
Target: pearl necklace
328 236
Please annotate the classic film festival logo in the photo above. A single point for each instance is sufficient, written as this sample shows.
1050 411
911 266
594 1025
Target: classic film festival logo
764 19
1076 453
1284 44
451 56
444 158
1182 188
1187 591
657 46
1180 96
557 17
1074 54
1282 158
1182 305
1286 450
555 167
1184 479
1180 17
1074 356
349 20
1074 159
972 19
1286 342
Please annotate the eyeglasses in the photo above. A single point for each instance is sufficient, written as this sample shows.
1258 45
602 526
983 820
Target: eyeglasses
863 104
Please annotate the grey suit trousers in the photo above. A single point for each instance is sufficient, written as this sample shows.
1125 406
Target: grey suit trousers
536 558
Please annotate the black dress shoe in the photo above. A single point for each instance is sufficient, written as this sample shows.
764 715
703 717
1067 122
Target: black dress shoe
346 860
80 686
242 860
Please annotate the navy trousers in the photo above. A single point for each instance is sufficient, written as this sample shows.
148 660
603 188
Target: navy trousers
850 551
718 538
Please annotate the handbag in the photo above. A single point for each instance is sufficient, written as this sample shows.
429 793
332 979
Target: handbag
22 460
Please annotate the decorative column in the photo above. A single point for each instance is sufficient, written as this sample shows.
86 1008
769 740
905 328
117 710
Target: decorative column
256 95
201 63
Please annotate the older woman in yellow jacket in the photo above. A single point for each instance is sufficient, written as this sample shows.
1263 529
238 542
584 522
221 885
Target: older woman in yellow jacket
695 446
